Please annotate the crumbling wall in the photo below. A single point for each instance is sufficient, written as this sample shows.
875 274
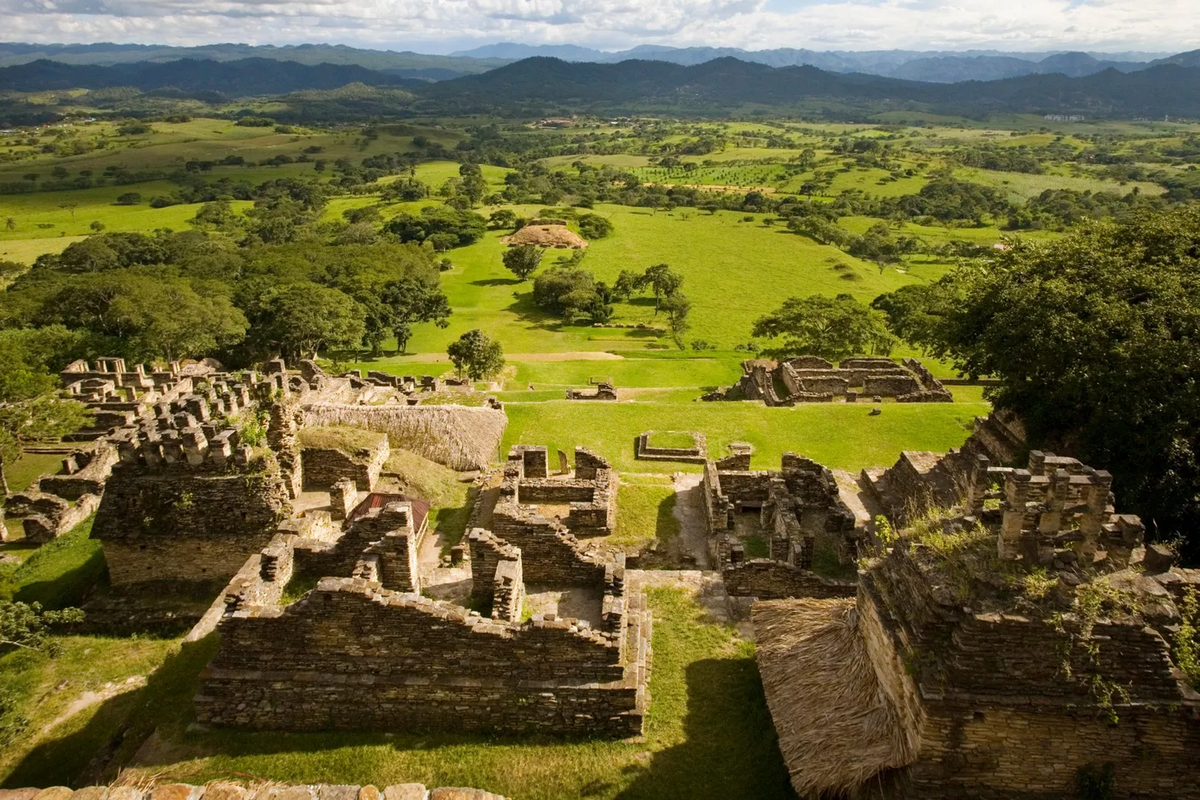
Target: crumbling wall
325 466
305 668
177 523
767 579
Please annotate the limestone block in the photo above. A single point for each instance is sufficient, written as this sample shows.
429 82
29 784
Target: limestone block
451 793
337 792
369 793
54 793
223 791
126 793
405 791
175 791
90 793
18 794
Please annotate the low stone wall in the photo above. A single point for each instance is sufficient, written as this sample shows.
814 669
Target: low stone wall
305 667
697 454
260 791
324 467
775 580
551 554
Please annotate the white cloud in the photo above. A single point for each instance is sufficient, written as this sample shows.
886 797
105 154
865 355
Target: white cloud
438 25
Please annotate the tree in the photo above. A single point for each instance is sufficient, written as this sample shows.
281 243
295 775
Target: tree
627 283
594 226
411 300
661 281
677 307
129 199
70 207
26 625
453 227
96 225
11 223
503 219
476 356
830 327
303 318
523 260
1093 338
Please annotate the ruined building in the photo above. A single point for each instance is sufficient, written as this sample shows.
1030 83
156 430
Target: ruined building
1012 648
795 510
809 379
370 648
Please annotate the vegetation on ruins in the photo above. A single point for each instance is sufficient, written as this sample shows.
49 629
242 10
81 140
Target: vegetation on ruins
1093 339
476 356
1185 648
832 328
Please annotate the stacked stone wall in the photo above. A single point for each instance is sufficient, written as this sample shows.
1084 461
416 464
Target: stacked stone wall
180 524
430 665
550 553
322 467
767 579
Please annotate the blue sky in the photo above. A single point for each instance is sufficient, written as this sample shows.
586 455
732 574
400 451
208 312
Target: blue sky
445 25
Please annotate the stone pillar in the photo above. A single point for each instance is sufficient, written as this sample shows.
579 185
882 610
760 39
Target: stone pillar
1016 495
977 485
536 462
343 497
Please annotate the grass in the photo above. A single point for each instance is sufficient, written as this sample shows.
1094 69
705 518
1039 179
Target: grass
733 271
60 573
449 498
354 443
676 440
840 436
645 513
708 735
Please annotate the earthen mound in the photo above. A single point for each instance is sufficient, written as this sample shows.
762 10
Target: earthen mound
546 236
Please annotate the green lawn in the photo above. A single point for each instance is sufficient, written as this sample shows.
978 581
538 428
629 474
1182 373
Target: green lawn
645 512
840 436
734 272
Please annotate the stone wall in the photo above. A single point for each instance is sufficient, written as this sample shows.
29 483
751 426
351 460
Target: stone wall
177 523
767 579
430 665
324 466
266 790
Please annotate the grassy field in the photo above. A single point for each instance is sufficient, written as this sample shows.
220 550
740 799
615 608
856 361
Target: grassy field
840 436
645 512
734 272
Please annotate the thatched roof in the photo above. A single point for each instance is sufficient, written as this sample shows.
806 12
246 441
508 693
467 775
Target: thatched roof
546 236
460 437
837 728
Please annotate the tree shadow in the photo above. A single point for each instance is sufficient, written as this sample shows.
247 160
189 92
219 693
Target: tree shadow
498 282
69 588
119 727
527 311
729 747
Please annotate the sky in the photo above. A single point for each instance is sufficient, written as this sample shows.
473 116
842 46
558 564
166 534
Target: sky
440 26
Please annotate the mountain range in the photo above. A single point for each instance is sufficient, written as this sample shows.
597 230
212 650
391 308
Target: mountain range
720 87
929 66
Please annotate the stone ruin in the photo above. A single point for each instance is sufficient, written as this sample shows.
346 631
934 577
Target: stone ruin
647 450
809 379
603 390
975 685
795 510
119 396
369 648
54 504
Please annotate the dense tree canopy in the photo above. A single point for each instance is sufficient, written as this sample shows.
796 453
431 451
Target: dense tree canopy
1094 338
830 327
476 356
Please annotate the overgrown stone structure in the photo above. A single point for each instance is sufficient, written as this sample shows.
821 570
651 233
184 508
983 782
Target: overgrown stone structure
366 650
810 379
650 448
920 480
1008 652
604 390
796 510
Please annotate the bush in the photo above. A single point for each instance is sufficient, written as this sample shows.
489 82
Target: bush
255 122
129 199
594 226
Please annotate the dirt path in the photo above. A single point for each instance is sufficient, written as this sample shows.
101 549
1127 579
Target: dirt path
689 511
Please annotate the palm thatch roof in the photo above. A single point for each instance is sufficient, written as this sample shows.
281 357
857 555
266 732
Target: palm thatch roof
546 236
837 727
460 437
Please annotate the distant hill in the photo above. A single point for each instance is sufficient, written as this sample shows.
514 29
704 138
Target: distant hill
931 66
727 84
936 67
538 86
405 64
242 78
